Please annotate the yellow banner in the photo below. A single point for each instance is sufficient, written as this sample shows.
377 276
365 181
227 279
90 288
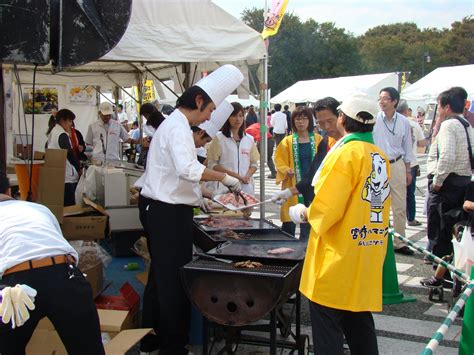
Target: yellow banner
273 18
148 91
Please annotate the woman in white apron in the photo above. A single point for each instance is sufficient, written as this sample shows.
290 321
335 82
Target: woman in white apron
233 152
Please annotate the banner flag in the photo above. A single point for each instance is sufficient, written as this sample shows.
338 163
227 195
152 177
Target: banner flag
273 18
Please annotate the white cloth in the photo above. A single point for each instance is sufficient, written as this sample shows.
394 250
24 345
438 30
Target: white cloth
417 135
396 143
148 130
70 175
173 171
279 123
122 116
111 133
29 231
235 158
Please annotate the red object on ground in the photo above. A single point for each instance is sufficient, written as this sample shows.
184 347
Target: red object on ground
129 300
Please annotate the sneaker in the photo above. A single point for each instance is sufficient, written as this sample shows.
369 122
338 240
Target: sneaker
414 223
427 261
431 282
404 250
271 176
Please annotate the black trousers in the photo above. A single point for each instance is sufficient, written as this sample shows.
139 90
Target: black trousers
68 304
289 227
70 194
170 230
444 211
150 310
329 326
278 138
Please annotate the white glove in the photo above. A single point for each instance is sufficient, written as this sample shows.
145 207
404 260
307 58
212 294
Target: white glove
204 205
281 196
15 304
231 182
298 213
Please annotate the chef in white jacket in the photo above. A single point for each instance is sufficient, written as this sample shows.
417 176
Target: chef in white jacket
172 185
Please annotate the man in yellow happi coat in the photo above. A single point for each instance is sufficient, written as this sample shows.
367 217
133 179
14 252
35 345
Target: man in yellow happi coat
342 273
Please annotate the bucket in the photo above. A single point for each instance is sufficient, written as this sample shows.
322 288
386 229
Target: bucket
22 173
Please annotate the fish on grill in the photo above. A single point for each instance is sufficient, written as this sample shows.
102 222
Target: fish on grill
232 199
248 264
280 251
227 233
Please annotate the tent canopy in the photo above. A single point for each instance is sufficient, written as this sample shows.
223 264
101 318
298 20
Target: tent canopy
170 38
430 86
161 36
339 88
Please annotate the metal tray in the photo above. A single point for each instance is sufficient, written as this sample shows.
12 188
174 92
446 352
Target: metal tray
259 249
253 224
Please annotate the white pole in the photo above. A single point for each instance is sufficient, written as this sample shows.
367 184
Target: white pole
263 125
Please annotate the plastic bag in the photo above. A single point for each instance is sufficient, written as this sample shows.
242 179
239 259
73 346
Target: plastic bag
80 190
464 251
140 247
90 254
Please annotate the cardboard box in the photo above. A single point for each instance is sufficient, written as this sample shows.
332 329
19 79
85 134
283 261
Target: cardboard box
84 223
128 302
95 276
77 223
45 339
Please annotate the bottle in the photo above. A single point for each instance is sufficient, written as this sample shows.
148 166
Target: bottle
131 266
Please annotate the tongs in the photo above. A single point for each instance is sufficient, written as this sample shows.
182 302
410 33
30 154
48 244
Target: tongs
237 195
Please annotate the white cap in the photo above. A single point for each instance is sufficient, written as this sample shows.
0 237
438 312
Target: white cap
218 118
358 103
221 83
106 108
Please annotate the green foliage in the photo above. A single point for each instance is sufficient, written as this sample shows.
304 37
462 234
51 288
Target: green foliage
311 50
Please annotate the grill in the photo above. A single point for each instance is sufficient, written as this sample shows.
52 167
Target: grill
233 296
207 237
235 301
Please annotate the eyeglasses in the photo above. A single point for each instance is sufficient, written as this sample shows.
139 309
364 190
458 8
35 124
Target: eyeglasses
384 98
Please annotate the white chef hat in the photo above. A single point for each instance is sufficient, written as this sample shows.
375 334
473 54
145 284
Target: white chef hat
218 118
221 83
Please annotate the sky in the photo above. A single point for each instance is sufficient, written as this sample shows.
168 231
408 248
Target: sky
357 16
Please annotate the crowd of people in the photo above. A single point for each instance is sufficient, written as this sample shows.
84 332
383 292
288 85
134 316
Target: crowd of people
341 166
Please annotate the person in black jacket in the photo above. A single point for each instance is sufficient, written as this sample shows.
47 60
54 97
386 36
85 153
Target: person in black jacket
326 114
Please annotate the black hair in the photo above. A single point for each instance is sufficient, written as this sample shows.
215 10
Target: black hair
135 123
188 99
147 109
353 126
226 127
455 98
393 93
302 111
286 107
65 114
155 119
51 124
328 103
196 129
4 183
277 107
120 105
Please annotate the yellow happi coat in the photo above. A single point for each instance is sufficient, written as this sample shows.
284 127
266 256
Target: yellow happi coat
349 220
284 161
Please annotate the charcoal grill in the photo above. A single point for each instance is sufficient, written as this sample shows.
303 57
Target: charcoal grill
207 238
236 298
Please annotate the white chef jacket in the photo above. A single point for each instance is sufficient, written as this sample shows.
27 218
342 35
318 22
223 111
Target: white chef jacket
173 171
71 175
122 117
235 158
111 132
29 231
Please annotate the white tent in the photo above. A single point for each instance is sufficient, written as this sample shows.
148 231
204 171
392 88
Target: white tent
427 89
165 39
244 102
339 88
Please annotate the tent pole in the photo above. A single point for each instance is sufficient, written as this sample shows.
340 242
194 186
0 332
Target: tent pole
3 133
263 133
